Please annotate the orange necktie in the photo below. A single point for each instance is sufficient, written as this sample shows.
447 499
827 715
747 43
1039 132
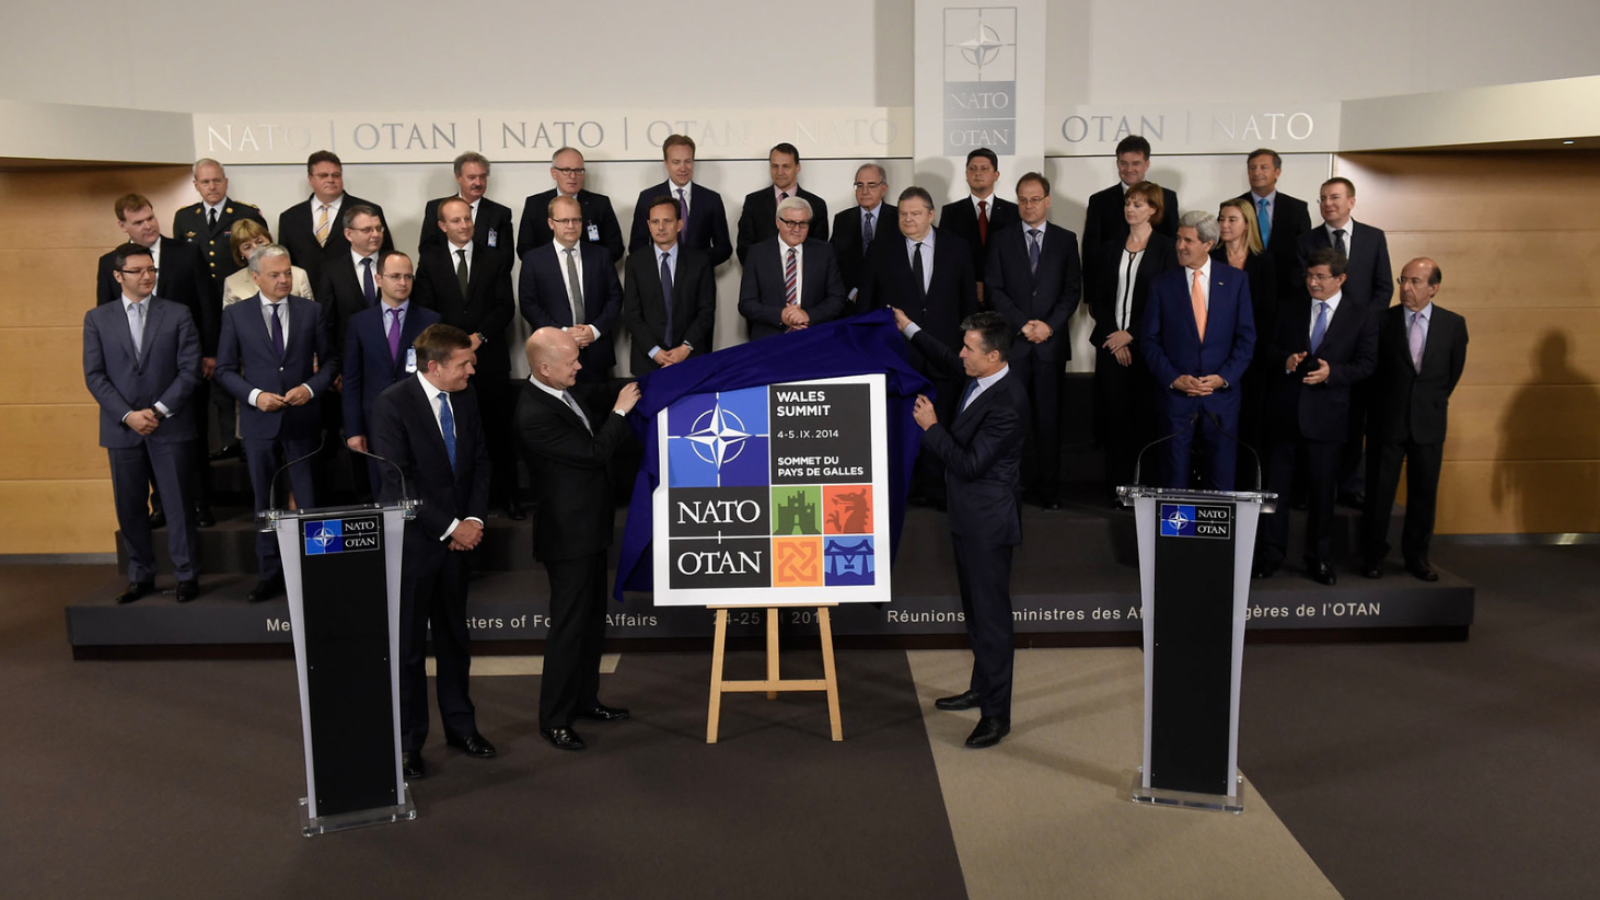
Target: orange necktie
1197 297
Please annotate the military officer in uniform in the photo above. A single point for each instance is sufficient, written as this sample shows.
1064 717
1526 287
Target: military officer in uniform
209 223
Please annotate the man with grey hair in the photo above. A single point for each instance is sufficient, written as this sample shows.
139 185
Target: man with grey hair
790 281
208 223
491 222
1199 332
854 229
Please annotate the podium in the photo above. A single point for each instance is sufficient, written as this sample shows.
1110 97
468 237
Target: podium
341 570
1195 551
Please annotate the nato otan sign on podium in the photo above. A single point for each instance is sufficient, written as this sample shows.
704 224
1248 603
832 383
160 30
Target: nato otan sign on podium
774 496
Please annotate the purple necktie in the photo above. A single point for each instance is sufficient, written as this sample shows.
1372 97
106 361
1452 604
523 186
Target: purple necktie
1416 341
683 212
394 335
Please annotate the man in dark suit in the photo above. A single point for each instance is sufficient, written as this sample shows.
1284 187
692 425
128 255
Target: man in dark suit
1282 219
982 451
430 427
757 219
855 229
927 274
976 217
181 277
491 221
1035 282
469 286
790 281
1368 281
209 223
669 300
378 351
568 450
1422 349
571 285
1328 344
141 361
311 230
1199 335
1104 222
705 220
275 358
599 225
349 281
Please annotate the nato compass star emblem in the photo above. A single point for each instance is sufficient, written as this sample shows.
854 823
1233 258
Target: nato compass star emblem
981 49
718 436
1176 519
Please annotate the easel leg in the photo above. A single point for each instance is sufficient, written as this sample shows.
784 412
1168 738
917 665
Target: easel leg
825 630
720 644
772 649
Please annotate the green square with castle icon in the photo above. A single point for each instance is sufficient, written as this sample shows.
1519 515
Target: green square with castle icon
797 509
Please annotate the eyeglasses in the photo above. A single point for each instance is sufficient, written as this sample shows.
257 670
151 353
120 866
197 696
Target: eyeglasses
137 272
796 223
569 172
567 223
869 185
400 276
371 229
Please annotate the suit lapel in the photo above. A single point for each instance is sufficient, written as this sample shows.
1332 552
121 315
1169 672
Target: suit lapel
152 325
436 433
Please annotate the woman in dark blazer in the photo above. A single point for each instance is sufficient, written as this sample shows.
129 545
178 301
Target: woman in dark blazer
1120 279
1240 246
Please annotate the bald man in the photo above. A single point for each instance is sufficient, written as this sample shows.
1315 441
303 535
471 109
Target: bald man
567 449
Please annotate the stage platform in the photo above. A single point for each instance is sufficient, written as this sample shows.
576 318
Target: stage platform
1075 580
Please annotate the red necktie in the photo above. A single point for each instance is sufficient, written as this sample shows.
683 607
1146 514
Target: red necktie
983 221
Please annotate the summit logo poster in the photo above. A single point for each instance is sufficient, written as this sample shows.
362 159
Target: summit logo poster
774 495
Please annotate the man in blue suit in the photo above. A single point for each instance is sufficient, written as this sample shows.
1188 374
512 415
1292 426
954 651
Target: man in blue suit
1199 332
700 209
378 351
275 358
141 361
572 285
791 281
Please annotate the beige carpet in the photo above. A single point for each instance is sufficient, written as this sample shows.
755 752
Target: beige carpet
1047 812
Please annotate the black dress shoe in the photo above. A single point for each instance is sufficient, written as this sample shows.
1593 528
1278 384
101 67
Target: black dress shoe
1321 573
562 738
266 589
204 518
1423 569
474 745
1352 499
1372 569
228 451
1264 570
603 713
158 519
188 590
412 766
989 731
967 700
514 510
135 590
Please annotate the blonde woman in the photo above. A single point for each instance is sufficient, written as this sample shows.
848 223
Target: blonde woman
246 236
1239 246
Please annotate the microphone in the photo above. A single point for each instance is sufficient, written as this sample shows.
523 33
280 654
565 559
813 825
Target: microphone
404 501
272 489
1217 421
1139 460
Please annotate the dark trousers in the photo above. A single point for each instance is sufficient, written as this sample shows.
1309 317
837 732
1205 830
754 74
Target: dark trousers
1320 462
1218 448
1042 378
167 464
927 476
571 679
497 402
433 591
1123 395
263 456
984 575
1422 463
197 471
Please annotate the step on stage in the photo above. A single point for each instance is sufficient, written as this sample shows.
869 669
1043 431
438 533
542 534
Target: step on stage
1075 580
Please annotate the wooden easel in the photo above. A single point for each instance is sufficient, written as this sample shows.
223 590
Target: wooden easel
772 684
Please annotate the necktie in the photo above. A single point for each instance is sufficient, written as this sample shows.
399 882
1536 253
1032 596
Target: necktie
574 286
136 326
367 285
1033 249
447 427
1416 342
461 271
782 196
322 224
212 225
683 211
1263 220
983 221
666 298
579 410
790 297
1197 301
917 271
1338 242
966 397
867 231
394 335
277 327
1319 328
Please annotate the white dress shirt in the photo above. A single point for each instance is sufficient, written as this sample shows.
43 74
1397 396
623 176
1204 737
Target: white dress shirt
799 269
984 384
434 404
927 257
672 267
561 264
127 313
267 310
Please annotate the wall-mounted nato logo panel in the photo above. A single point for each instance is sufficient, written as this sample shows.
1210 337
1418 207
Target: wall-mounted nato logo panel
1196 520
718 440
342 535
980 79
